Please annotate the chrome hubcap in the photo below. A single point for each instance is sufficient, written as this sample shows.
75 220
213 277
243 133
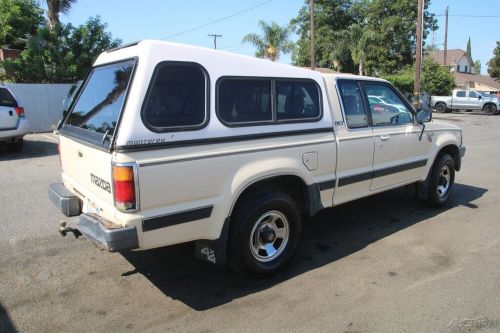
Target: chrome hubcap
444 181
269 236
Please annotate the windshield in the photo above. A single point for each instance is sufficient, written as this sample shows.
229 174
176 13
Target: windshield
99 104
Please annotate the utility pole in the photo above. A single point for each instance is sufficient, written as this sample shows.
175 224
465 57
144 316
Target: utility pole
311 13
445 35
215 36
418 56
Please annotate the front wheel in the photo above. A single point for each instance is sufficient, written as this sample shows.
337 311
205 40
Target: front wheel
265 233
441 181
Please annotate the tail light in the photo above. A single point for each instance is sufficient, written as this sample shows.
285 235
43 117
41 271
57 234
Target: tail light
20 111
124 187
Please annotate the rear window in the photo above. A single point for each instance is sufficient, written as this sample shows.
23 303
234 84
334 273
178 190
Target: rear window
6 98
100 103
297 100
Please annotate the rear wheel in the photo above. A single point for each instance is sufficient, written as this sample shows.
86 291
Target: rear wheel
16 146
441 181
490 109
440 107
265 233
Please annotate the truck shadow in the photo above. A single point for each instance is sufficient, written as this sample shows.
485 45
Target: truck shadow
6 325
333 234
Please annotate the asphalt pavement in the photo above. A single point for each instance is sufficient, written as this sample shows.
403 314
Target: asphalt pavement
386 263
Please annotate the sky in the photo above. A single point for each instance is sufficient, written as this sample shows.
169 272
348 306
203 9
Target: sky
180 21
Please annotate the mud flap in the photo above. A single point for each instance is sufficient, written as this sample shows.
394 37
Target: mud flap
214 251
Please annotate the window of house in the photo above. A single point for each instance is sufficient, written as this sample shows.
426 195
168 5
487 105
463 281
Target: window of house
353 105
297 100
458 68
177 98
466 68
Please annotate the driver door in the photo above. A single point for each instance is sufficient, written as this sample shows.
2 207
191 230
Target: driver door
399 156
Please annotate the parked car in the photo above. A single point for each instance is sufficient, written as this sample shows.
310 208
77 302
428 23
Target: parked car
465 100
169 143
13 123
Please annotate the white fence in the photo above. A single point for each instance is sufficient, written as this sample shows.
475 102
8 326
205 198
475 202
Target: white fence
42 103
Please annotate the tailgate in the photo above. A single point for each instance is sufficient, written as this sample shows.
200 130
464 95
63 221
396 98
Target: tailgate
87 173
8 118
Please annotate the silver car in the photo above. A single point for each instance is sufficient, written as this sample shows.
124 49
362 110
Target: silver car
13 123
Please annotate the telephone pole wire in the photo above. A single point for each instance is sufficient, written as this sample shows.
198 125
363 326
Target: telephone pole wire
215 36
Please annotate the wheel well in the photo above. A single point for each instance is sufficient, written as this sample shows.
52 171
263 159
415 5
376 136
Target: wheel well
305 196
454 153
489 103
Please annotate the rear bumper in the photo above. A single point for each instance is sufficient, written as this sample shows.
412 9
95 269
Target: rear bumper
107 235
19 132
103 233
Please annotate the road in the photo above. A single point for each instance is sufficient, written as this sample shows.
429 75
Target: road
381 264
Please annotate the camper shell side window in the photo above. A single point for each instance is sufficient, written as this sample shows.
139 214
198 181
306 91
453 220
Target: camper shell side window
177 98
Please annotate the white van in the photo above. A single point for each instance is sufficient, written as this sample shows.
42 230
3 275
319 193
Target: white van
168 143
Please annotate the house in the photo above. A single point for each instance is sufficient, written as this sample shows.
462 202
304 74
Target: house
459 60
462 67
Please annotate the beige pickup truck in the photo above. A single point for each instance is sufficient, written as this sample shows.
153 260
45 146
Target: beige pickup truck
168 143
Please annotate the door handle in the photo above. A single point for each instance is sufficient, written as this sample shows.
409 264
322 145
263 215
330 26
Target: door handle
385 137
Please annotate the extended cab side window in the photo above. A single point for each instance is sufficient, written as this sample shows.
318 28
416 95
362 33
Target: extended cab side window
352 101
177 98
461 93
386 107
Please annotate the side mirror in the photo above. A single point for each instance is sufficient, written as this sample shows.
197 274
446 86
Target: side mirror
424 116
479 97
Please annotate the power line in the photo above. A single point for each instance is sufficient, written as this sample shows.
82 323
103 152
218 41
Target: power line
218 20
460 15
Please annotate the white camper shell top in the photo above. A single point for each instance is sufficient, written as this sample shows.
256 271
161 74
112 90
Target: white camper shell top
217 64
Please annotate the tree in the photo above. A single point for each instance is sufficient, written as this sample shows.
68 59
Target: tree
436 79
477 66
469 49
494 63
361 39
389 23
54 7
332 18
63 54
18 20
272 43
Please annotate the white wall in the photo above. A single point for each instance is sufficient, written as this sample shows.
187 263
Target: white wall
42 103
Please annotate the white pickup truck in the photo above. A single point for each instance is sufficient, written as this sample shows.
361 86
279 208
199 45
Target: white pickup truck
168 143
465 100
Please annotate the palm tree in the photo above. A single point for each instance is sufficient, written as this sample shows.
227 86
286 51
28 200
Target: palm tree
361 38
54 7
272 43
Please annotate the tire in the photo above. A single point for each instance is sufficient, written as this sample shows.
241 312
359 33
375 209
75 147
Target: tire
490 109
264 233
440 107
441 181
15 147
